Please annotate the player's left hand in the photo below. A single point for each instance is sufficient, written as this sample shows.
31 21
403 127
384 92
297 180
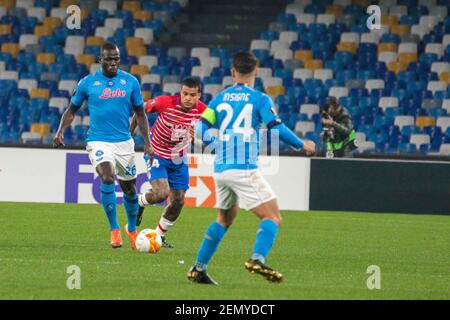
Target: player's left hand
149 151
58 140
309 147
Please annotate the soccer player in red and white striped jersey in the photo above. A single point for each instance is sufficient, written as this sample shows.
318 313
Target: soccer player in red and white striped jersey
171 135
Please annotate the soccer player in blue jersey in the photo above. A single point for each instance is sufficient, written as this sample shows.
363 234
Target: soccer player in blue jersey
110 93
238 112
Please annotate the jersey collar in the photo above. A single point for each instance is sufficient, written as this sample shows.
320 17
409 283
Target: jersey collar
243 84
100 73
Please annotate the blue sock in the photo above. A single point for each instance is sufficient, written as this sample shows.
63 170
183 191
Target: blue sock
108 197
130 201
213 236
265 237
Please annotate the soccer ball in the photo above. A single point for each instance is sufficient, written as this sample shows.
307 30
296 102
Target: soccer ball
149 241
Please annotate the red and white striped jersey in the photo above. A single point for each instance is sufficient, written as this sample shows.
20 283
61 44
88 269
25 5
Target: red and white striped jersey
173 130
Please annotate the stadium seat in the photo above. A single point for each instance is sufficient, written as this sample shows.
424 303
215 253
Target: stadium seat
144 33
40 128
139 70
425 121
210 62
444 149
309 109
259 44
68 85
27 84
338 92
443 123
172 88
212 89
30 137
440 67
275 91
39 93
434 86
9 75
323 74
446 105
402 121
419 30
201 71
227 81
151 78
303 55
58 102
387 57
272 82
200 52
303 127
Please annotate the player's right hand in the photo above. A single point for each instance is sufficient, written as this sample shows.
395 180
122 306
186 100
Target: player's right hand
310 147
58 141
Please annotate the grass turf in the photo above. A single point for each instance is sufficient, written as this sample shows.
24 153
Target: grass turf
322 255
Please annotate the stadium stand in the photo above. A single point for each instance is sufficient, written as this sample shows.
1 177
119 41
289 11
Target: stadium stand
394 81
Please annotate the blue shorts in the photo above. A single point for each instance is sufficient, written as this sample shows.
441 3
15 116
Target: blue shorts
176 174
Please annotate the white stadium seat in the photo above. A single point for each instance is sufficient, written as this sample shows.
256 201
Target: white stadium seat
303 74
419 139
148 61
338 92
388 102
402 121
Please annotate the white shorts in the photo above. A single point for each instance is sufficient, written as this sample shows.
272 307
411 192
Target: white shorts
248 187
120 154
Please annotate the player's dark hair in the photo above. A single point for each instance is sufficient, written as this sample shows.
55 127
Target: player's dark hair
109 46
244 62
192 82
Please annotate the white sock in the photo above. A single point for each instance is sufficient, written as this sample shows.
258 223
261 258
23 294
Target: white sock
163 226
142 200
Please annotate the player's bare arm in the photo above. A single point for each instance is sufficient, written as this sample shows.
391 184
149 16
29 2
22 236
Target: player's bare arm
133 124
142 122
66 120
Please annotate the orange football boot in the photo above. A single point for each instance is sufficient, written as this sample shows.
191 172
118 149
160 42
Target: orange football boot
116 238
132 236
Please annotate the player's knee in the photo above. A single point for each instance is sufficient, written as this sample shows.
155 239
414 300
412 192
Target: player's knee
162 194
178 203
277 219
106 179
274 217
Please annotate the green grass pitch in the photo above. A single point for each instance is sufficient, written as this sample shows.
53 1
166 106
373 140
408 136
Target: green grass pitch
322 255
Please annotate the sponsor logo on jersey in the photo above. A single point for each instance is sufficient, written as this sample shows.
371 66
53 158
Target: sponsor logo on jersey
123 82
97 83
108 93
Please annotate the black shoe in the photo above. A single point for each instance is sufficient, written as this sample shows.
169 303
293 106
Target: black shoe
139 217
165 243
256 266
200 276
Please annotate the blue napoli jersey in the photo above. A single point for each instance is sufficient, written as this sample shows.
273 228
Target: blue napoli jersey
109 101
237 113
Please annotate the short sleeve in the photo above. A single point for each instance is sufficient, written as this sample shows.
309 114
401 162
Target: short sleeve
267 111
80 93
136 94
155 105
